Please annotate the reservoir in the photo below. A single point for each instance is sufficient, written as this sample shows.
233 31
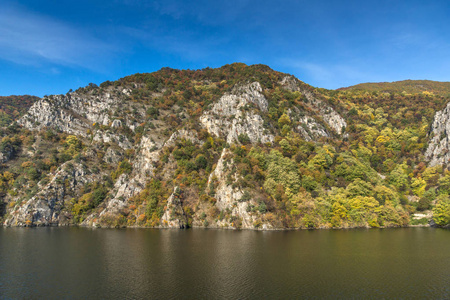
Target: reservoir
82 263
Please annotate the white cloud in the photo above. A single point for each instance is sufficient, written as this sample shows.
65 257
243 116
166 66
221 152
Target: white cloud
30 39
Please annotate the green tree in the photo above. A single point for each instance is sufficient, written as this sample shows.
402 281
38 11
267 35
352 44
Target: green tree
281 171
398 178
427 198
441 212
201 162
243 139
284 120
359 188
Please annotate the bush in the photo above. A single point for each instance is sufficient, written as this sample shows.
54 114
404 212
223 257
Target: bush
98 196
243 139
124 167
425 201
262 208
201 162
153 112
245 197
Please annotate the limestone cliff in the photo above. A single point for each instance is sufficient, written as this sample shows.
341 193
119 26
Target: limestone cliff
317 104
438 151
47 207
239 113
80 113
235 147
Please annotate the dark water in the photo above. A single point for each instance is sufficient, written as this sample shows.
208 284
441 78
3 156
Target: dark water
77 263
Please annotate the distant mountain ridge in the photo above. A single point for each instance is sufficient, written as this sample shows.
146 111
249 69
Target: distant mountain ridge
408 86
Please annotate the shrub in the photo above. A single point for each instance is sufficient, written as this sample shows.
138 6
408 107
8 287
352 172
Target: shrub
244 139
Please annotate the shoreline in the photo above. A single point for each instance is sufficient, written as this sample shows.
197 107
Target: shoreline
218 228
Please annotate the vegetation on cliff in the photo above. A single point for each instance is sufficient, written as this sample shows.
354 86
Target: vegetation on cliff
330 159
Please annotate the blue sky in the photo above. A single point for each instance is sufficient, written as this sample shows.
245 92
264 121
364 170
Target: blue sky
49 47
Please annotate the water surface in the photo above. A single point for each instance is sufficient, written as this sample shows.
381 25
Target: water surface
80 263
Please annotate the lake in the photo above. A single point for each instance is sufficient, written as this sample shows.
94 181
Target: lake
81 263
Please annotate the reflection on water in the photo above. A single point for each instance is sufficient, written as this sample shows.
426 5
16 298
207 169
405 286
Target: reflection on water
137 263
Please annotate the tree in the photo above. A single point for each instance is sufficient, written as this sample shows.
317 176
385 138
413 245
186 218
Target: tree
359 188
444 184
309 183
284 144
243 139
418 186
284 120
281 171
384 194
98 196
441 212
72 145
201 162
425 201
398 178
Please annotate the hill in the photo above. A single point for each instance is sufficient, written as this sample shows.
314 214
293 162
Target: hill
233 147
406 86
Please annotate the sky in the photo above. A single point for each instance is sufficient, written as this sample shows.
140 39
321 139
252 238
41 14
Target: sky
49 47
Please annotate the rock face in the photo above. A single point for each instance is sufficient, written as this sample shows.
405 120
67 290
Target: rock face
113 155
328 114
438 151
309 128
77 114
231 199
237 114
47 206
174 216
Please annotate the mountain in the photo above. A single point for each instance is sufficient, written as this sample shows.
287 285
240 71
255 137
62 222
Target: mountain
405 86
233 147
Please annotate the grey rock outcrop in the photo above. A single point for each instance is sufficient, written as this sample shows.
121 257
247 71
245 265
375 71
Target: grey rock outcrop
174 216
438 151
46 207
232 115
129 185
229 198
113 155
78 114
307 126
328 114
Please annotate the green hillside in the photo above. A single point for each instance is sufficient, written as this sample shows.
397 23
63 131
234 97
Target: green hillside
407 86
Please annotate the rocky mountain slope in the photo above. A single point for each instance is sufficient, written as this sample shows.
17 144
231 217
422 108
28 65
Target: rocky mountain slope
234 147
